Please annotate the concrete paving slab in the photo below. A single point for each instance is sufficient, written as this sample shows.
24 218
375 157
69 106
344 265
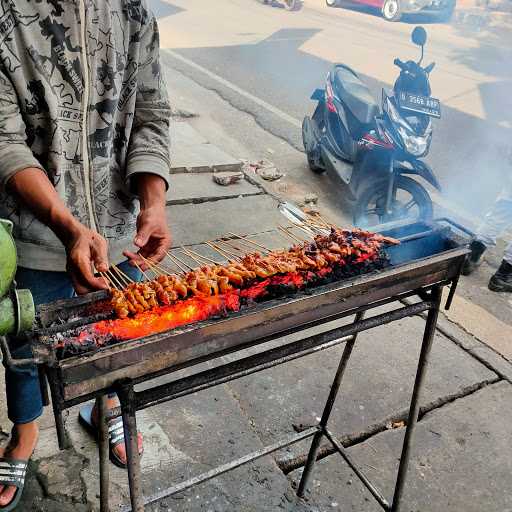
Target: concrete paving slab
194 223
192 152
377 386
460 461
199 188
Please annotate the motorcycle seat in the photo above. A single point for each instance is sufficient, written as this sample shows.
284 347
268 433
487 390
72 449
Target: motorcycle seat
355 94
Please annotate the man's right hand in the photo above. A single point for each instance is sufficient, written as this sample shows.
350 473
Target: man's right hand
85 249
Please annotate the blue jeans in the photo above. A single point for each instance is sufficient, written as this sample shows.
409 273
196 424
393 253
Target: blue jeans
24 401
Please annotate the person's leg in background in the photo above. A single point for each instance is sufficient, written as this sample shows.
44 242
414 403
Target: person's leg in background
496 222
24 401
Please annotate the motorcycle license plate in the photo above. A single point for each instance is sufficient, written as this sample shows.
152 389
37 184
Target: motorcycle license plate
422 104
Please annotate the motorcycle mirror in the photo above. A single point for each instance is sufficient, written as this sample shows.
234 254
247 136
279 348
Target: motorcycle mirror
419 36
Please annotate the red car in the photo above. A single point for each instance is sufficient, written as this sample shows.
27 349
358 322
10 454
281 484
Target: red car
392 10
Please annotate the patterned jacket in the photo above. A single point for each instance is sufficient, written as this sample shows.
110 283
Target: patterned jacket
82 97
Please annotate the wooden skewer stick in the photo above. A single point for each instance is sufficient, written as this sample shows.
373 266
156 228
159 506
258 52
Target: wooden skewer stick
219 250
142 271
183 262
113 279
229 254
176 262
160 267
239 254
192 256
291 235
209 260
121 275
249 241
127 277
152 266
107 280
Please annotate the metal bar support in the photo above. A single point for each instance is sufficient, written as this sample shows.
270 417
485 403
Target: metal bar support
103 453
331 399
428 337
126 396
364 479
224 468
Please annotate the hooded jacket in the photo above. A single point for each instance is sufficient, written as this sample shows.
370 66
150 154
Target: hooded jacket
82 98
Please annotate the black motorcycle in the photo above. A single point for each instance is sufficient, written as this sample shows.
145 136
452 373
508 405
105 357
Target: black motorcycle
384 144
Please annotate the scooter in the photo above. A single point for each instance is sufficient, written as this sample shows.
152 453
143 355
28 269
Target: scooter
290 5
385 144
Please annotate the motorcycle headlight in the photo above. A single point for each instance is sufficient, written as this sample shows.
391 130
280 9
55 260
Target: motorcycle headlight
414 144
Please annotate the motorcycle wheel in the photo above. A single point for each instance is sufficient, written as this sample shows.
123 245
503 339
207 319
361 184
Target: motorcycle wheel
332 3
411 201
392 10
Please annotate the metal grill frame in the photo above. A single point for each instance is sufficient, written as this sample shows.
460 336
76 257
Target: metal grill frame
120 367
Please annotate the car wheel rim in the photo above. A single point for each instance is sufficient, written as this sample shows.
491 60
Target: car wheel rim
390 9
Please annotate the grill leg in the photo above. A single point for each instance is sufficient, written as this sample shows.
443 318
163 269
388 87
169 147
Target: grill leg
103 454
428 337
57 400
315 445
127 398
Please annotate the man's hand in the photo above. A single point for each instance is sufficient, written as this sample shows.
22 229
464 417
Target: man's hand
153 237
84 249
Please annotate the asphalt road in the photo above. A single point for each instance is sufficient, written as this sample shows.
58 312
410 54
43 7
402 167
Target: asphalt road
267 61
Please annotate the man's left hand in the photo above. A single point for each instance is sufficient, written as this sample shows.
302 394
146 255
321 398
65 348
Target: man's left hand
153 237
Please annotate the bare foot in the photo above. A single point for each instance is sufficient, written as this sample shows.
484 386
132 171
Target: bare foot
120 449
21 446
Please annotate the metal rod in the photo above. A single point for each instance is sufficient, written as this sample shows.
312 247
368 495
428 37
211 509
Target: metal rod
103 453
364 479
329 404
126 396
268 359
224 468
428 337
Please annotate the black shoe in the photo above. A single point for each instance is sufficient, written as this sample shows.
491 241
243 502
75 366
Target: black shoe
474 258
502 280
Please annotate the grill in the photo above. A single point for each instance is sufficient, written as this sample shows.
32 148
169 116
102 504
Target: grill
430 257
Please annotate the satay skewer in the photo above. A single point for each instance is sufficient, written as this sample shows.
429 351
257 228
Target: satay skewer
107 279
176 262
122 276
152 266
192 256
294 237
227 254
206 259
224 243
123 273
190 267
248 240
142 271
113 279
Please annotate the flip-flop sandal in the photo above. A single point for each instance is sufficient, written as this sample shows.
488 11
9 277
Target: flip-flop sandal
115 431
12 473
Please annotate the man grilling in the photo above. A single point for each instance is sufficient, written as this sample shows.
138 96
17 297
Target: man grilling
84 166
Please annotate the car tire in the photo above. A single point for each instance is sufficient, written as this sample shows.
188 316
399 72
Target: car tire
292 5
332 3
392 10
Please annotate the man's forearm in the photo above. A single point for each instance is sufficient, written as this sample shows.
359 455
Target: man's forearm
152 191
37 193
